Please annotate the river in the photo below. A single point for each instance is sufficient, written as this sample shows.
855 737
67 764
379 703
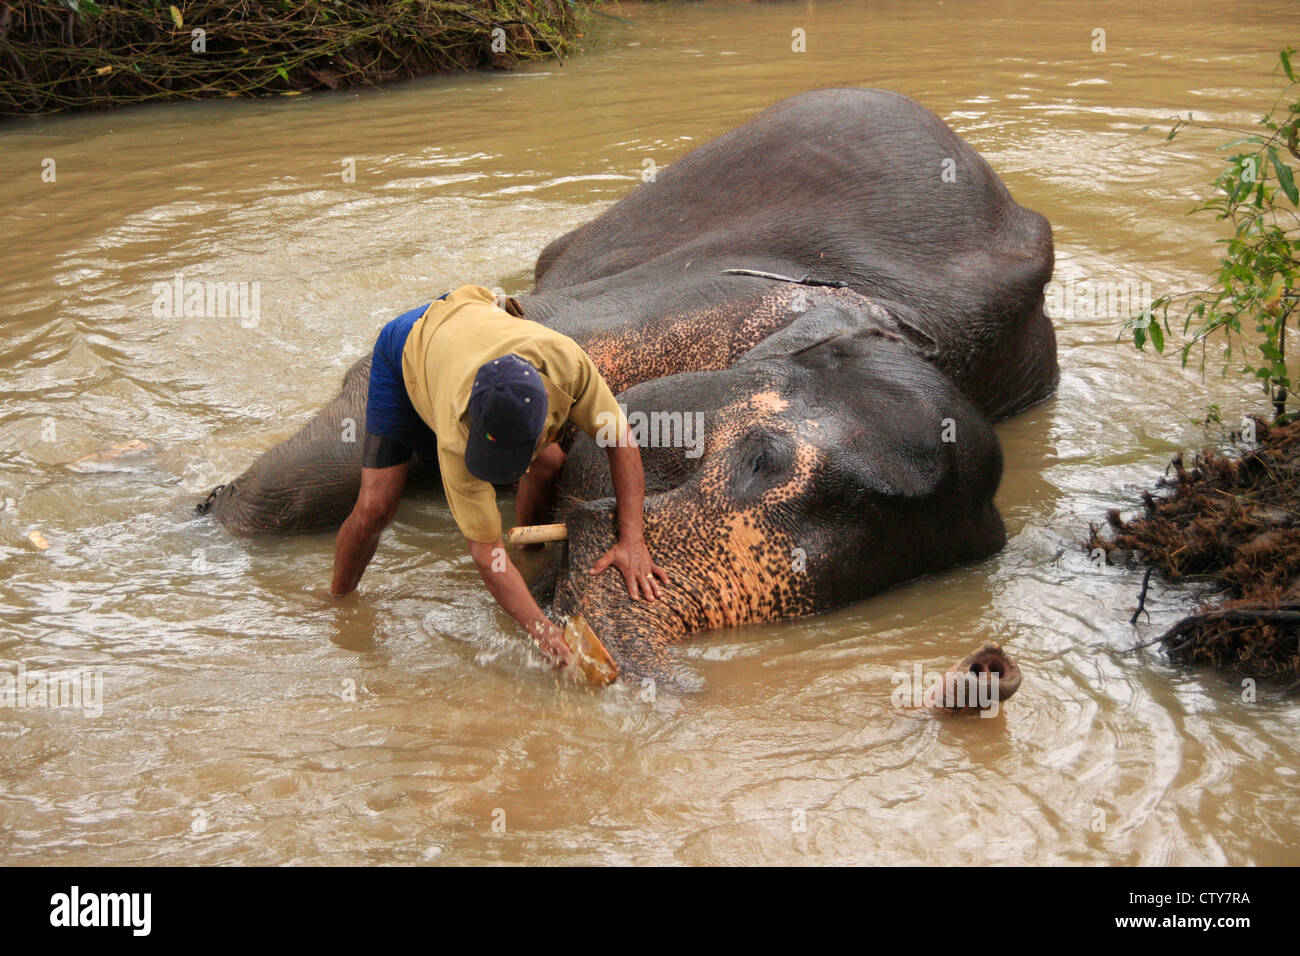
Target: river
248 719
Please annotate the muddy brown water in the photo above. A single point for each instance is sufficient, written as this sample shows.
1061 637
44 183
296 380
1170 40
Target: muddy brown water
229 730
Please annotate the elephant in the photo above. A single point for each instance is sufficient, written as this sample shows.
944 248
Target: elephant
864 194
844 296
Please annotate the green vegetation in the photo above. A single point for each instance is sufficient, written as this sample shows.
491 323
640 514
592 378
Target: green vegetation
1233 520
1260 270
70 54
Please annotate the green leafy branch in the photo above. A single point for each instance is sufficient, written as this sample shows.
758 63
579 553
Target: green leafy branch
1257 279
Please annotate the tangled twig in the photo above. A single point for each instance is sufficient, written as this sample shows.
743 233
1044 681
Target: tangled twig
1234 520
52 58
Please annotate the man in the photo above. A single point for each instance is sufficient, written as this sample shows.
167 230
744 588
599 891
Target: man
486 391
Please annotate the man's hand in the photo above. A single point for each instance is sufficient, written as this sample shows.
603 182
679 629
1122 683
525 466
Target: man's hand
633 561
550 640
503 580
629 554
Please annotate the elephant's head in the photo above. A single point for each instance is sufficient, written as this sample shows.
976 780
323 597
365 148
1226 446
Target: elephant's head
807 480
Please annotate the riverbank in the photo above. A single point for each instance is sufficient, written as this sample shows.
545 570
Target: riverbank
1231 521
60 55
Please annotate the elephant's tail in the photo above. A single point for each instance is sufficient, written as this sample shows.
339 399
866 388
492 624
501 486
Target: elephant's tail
204 506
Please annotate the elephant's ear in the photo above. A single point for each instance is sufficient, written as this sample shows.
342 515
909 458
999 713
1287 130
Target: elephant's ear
903 429
820 323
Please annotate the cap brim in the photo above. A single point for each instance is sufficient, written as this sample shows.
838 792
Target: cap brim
496 463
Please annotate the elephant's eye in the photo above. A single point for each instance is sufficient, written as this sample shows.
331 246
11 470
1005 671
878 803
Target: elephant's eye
764 459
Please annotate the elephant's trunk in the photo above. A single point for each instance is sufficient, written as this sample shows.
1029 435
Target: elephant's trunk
724 572
637 633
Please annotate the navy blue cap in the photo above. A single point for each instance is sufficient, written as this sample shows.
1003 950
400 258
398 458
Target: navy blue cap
507 412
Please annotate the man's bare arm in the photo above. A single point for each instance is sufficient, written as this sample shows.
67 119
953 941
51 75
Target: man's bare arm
381 490
507 586
629 553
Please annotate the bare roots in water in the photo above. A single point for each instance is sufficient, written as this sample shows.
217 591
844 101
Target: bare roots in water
1232 520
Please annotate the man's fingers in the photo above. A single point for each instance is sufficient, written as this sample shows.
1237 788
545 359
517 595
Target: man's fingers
639 584
557 655
649 587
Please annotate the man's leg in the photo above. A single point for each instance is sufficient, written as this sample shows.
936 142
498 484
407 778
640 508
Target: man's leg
383 478
535 496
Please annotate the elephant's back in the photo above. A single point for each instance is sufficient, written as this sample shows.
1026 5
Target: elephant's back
838 171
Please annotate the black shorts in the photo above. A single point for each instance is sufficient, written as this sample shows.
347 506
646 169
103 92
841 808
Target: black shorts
380 452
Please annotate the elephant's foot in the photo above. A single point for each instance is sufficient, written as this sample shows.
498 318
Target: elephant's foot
980 682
